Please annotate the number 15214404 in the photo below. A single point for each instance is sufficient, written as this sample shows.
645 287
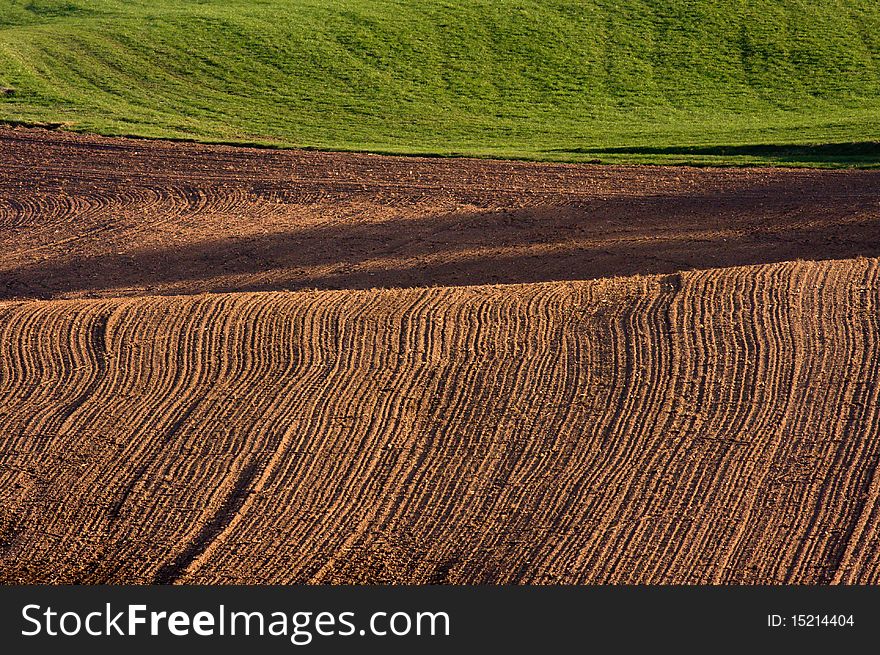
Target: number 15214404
810 621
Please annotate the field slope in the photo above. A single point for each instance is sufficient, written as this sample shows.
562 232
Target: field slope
678 381
719 426
711 81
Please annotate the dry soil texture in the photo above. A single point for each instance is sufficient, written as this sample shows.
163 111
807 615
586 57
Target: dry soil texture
673 389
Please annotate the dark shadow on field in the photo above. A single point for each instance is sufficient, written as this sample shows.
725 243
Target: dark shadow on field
859 153
761 222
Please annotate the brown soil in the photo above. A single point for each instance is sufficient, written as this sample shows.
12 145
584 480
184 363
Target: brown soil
675 426
89 216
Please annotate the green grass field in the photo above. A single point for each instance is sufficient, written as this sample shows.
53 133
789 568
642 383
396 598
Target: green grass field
654 81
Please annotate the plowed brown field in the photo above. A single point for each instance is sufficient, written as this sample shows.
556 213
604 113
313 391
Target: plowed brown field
674 426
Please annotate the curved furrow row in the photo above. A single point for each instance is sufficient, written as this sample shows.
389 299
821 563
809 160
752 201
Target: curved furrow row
421 516
62 354
689 407
401 346
288 418
859 556
736 362
559 362
710 426
852 450
623 332
789 482
724 439
43 216
158 408
400 378
747 448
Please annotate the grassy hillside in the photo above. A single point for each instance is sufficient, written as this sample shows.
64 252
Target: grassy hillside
736 81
